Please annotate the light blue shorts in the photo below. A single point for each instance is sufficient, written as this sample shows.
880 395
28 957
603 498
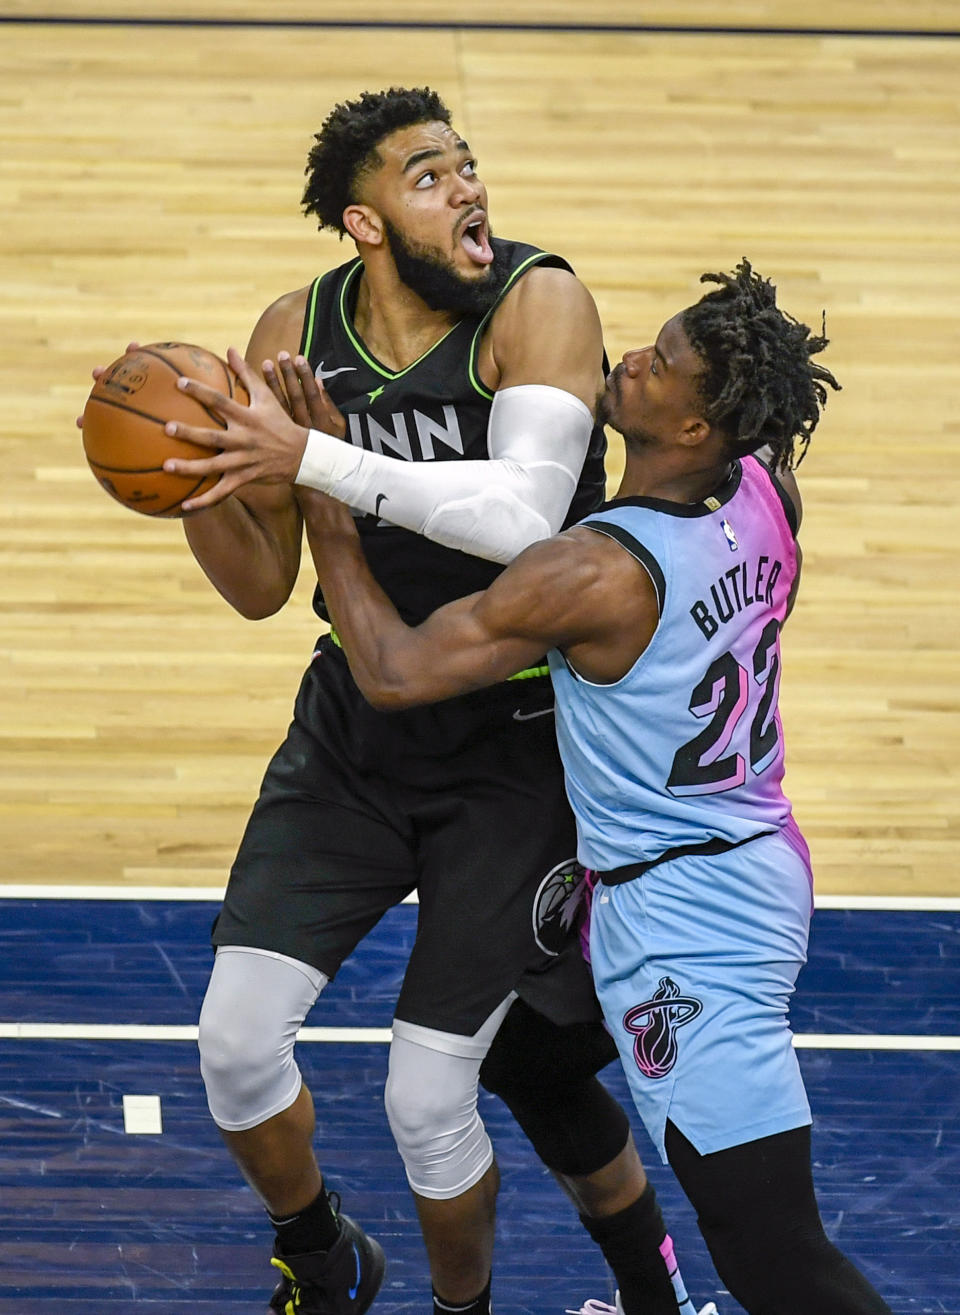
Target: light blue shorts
695 963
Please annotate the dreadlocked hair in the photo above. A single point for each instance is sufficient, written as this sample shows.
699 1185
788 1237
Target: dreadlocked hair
345 148
759 384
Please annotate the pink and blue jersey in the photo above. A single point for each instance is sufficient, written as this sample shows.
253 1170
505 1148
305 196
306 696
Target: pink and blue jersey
687 747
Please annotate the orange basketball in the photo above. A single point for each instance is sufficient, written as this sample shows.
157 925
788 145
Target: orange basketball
123 420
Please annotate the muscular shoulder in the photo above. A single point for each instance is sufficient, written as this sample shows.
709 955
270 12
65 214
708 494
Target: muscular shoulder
542 287
544 301
545 331
578 587
279 327
603 575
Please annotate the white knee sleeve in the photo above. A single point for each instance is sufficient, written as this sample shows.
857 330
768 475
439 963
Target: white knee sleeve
254 1005
431 1101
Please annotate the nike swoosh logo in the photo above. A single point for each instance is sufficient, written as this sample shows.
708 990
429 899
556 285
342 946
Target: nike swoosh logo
320 374
381 497
352 1292
529 716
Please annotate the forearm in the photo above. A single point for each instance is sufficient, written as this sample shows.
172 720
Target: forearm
249 553
470 643
495 508
380 648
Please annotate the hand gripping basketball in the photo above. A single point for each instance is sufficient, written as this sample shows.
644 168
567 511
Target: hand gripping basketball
261 442
124 423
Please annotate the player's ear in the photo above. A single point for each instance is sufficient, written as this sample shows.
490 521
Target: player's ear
364 224
694 431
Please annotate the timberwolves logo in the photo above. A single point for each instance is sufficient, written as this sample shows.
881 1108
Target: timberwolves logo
555 906
654 1025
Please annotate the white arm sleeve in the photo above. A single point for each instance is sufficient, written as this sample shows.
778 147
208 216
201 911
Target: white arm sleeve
537 438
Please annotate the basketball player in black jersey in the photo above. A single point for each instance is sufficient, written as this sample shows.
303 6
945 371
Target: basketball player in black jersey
462 371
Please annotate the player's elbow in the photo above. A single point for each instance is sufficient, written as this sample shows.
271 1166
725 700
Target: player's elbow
496 524
255 610
256 598
386 699
387 679
387 694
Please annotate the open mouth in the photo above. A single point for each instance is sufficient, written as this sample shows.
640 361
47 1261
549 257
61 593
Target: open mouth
475 239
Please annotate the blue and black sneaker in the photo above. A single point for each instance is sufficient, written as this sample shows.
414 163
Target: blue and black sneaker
341 1281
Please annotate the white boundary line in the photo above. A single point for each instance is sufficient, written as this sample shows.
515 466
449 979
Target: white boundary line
890 1041
163 1032
24 890
890 903
382 1035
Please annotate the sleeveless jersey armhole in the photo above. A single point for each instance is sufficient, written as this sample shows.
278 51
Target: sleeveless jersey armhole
636 549
789 509
653 569
310 318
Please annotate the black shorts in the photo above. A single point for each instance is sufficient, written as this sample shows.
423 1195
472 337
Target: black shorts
462 801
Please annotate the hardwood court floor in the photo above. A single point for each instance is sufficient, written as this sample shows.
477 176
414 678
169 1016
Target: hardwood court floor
150 180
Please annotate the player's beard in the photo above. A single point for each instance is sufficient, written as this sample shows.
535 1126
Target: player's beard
607 407
436 281
608 404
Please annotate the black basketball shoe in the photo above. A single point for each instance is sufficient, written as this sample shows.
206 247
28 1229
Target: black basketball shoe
341 1281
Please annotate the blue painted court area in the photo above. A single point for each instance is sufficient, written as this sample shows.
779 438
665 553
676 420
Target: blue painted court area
93 1218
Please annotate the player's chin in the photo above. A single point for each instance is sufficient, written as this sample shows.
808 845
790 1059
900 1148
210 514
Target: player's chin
473 271
475 276
607 404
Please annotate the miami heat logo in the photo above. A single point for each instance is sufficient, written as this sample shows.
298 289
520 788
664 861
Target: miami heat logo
655 1023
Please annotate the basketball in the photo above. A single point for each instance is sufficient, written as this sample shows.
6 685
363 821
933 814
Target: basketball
123 420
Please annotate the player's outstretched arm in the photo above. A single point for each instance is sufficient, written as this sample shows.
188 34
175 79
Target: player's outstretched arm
472 642
578 592
544 360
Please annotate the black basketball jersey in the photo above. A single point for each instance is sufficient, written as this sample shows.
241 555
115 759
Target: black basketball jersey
436 409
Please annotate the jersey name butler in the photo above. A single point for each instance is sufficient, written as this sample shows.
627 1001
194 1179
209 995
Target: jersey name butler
734 591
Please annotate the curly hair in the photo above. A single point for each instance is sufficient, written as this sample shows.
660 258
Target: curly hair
759 384
345 148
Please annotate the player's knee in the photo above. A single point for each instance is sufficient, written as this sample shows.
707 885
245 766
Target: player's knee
437 1127
248 1025
415 1111
531 1053
249 1074
544 1074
